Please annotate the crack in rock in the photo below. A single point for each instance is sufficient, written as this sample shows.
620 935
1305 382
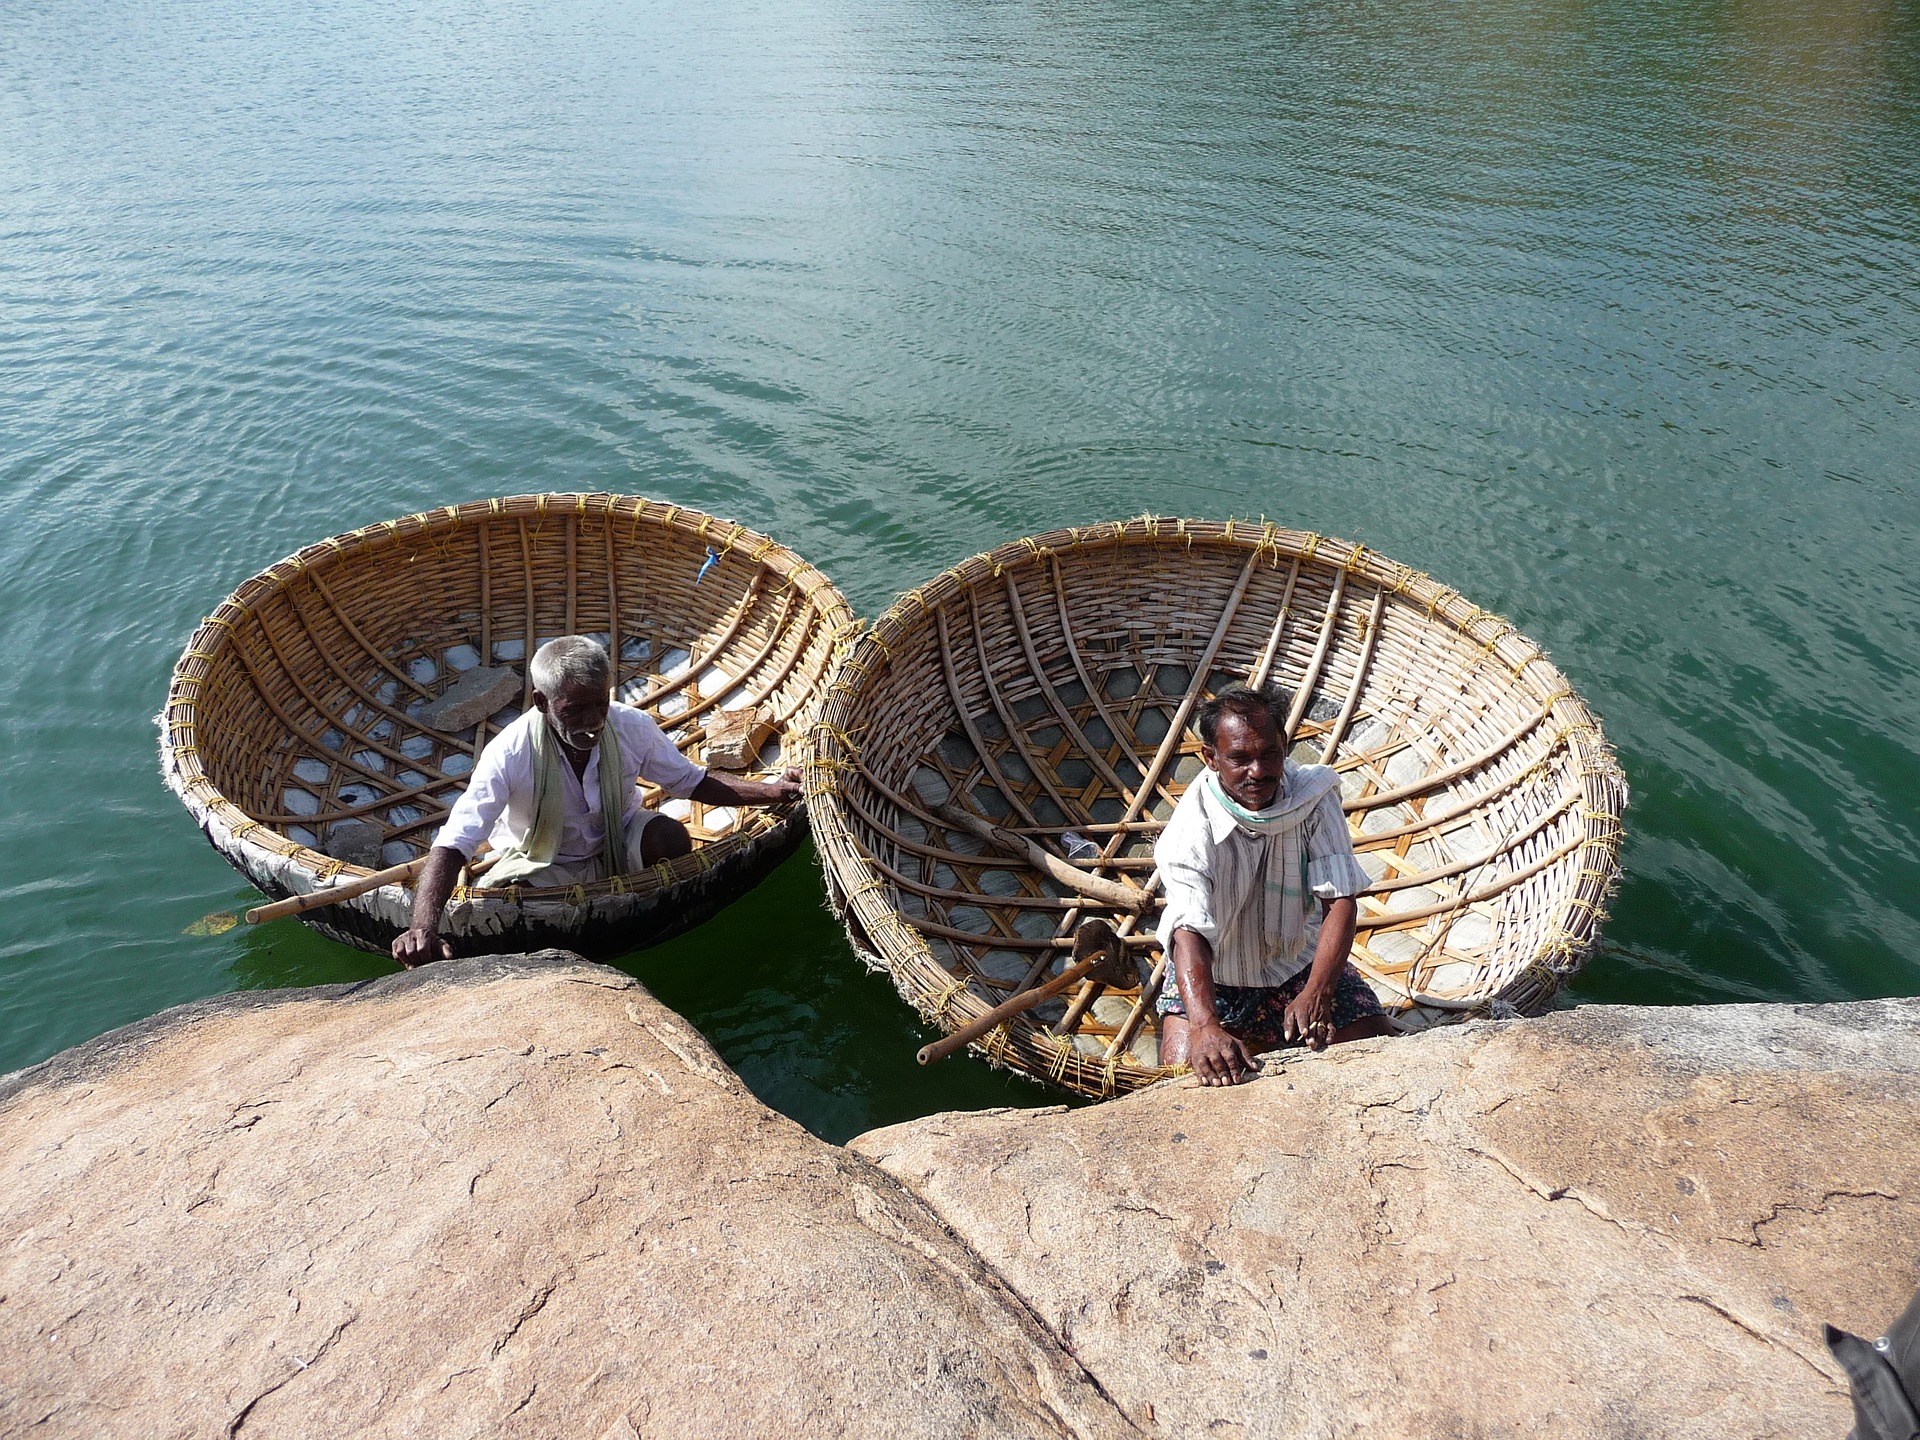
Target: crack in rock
302 1366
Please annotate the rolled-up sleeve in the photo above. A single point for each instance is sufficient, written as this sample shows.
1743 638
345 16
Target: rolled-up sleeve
1333 872
473 815
1182 856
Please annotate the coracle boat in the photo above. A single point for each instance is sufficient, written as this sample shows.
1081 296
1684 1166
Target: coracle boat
323 719
1031 705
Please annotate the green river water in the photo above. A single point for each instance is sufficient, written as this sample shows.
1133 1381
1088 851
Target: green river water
1604 313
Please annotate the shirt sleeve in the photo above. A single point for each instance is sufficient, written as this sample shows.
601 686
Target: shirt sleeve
1333 872
1182 857
473 815
660 760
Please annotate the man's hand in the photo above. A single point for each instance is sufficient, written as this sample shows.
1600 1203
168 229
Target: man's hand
1216 1057
1309 1016
413 948
787 788
421 944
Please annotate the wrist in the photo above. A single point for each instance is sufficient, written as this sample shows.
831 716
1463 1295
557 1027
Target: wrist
1321 979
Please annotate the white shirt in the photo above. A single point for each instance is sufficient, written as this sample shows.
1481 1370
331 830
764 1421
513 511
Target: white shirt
1232 925
498 802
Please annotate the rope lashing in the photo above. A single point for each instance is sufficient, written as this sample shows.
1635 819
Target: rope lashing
1063 1052
847 741
946 997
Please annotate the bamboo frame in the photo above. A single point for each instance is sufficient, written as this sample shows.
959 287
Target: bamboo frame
302 683
1480 789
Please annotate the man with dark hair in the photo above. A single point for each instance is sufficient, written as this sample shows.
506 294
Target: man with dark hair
1253 843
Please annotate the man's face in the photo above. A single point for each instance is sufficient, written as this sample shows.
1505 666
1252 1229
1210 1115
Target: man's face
578 714
1249 759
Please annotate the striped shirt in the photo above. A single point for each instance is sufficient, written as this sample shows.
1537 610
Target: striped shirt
1214 873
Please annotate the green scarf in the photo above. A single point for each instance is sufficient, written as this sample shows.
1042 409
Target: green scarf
538 847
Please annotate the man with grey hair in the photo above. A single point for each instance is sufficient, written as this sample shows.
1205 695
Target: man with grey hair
544 787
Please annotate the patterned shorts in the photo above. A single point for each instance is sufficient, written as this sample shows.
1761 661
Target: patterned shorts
1256 1014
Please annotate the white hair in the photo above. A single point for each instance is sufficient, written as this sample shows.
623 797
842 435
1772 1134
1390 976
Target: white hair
570 660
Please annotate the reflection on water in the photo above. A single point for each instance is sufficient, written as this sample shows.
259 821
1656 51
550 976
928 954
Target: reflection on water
1603 313
805 1027
284 953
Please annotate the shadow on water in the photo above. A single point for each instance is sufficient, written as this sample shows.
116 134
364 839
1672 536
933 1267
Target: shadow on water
773 986
287 955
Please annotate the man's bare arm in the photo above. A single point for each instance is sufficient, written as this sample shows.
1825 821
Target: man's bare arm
722 789
422 943
1217 1058
1310 1016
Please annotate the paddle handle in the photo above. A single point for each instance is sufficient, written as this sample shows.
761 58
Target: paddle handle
1004 1011
334 894
1095 887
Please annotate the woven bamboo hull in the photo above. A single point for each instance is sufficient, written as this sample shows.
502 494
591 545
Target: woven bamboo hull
1046 687
297 706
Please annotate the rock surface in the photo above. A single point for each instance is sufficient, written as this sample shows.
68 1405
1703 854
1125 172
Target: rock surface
355 841
734 737
494 1197
471 698
517 1196
1611 1222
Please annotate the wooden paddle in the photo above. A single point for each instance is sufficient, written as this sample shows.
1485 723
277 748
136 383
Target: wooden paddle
333 895
1097 952
1094 887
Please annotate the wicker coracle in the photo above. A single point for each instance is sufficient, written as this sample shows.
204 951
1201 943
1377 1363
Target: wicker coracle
297 706
1047 686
